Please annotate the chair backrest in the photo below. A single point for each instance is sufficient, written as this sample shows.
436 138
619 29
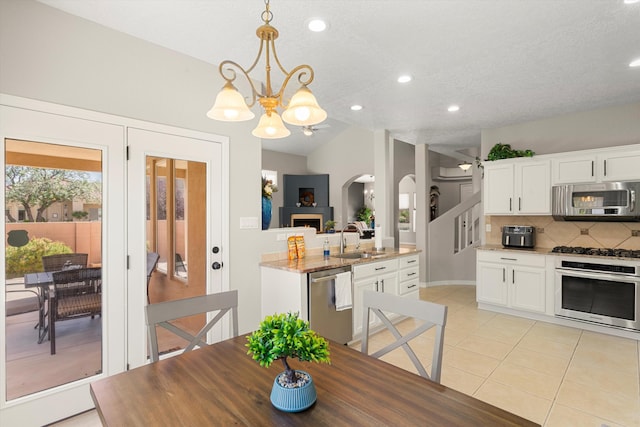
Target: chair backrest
434 315
77 292
61 262
161 313
152 261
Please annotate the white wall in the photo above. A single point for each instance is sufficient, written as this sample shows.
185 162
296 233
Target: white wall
52 56
606 127
348 155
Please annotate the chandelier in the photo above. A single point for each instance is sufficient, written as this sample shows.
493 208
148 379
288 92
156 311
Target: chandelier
301 110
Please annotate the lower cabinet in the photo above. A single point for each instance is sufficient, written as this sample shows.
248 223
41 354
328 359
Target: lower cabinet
398 276
387 282
511 279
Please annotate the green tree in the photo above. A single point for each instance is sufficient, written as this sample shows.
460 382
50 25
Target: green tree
39 188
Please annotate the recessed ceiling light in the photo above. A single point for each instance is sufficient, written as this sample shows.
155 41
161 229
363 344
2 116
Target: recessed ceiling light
317 25
356 107
404 79
453 108
630 1
635 63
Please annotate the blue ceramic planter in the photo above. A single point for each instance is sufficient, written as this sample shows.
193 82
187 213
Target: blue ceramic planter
293 399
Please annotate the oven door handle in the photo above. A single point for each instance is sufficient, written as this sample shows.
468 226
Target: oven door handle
632 200
598 276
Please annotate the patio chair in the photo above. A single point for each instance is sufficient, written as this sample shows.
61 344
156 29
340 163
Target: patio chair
17 239
161 313
61 262
77 293
152 262
434 315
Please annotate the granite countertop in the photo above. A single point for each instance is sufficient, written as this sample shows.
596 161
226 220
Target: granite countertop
311 264
539 251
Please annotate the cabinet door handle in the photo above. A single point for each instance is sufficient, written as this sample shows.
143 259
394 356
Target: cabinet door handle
411 274
513 277
411 286
504 272
509 259
411 261
519 203
376 286
605 168
592 167
380 268
510 204
382 285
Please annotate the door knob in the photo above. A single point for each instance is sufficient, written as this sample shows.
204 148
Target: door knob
216 265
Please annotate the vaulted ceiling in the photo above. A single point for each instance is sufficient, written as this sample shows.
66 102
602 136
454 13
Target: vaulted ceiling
500 61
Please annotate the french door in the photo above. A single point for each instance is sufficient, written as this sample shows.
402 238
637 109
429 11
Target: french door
44 155
175 214
128 165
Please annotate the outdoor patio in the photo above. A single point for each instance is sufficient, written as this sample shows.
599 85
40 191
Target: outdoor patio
31 367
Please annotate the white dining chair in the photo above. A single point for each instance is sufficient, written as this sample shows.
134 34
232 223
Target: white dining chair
433 315
161 313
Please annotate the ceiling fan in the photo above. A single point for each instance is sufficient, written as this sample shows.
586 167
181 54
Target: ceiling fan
311 129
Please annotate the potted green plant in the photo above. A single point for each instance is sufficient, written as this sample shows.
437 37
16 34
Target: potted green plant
364 214
504 151
330 226
284 336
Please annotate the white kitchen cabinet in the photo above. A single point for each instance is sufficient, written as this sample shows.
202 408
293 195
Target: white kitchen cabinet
619 166
601 166
573 169
511 279
518 187
381 276
408 276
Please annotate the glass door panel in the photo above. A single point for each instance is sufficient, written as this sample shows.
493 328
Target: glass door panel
53 204
180 187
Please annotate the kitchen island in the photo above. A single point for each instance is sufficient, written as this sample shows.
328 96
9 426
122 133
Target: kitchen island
285 283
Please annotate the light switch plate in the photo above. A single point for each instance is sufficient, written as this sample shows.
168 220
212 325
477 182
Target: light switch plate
249 223
487 228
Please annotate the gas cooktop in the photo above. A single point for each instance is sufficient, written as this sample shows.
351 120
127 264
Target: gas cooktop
577 250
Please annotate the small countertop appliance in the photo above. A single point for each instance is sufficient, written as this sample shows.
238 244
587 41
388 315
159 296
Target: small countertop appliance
518 236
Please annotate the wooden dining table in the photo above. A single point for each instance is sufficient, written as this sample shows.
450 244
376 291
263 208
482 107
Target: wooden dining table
220 385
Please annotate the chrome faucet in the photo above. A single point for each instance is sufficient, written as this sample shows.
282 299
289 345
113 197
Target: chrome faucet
342 242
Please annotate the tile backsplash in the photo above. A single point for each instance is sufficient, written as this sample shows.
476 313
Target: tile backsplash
550 233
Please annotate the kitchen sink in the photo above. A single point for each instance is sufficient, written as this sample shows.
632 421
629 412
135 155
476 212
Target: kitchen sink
358 255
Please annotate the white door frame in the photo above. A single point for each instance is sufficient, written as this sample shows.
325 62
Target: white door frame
22 118
34 121
184 145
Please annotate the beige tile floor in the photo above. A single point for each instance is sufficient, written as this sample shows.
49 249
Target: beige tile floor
553 375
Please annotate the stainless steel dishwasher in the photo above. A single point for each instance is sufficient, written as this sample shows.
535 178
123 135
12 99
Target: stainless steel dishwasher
323 316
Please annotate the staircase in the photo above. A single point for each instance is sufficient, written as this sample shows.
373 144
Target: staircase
452 238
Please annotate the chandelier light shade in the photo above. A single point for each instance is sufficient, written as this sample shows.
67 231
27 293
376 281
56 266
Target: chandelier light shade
301 110
230 106
270 126
304 109
464 166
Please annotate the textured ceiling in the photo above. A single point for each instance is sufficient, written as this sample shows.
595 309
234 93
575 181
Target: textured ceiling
502 61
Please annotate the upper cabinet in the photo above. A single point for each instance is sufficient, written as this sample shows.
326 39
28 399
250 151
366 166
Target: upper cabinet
614 165
517 187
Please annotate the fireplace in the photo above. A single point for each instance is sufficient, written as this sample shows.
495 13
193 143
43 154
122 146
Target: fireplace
308 220
306 201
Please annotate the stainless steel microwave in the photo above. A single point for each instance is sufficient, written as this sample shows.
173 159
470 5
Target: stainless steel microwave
607 201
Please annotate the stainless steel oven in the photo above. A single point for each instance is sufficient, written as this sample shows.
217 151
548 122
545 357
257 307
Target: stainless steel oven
599 290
